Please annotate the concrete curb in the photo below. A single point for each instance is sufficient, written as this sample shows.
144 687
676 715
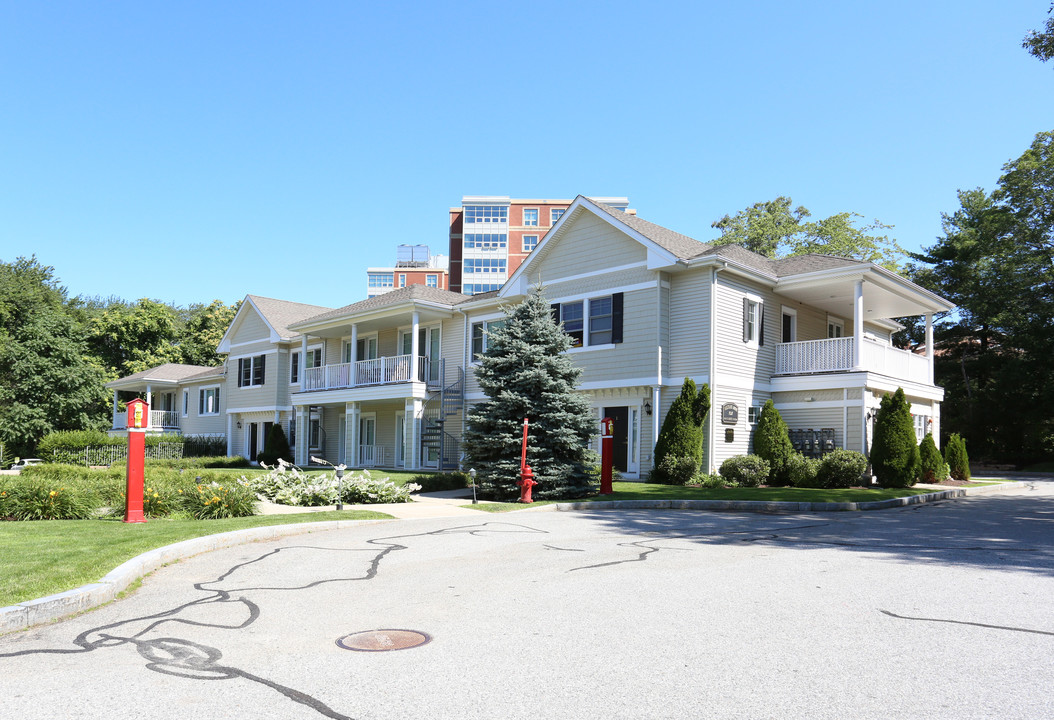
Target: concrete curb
761 506
53 607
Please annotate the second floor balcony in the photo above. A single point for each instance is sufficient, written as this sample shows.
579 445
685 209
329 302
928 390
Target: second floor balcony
837 355
379 371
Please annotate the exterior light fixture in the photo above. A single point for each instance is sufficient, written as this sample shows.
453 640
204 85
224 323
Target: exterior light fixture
472 474
239 424
340 487
647 407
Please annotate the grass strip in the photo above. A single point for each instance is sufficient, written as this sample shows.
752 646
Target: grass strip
649 491
50 556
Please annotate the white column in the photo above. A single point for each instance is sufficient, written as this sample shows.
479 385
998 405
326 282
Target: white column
413 347
150 406
929 344
300 451
230 435
412 433
351 435
113 421
858 325
303 365
354 357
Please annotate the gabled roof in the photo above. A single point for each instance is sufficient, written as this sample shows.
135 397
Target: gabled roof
277 315
393 298
678 245
167 374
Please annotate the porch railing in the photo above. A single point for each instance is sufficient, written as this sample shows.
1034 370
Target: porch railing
371 455
836 355
161 419
380 371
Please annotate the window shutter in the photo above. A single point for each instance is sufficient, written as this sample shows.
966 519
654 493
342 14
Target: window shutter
616 318
555 308
761 323
746 320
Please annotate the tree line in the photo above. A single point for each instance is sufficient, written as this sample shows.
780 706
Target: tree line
57 352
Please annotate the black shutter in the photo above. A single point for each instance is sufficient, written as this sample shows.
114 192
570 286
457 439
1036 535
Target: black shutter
616 318
761 323
555 309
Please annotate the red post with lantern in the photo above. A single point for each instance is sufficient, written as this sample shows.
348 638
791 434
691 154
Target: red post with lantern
607 454
138 421
527 480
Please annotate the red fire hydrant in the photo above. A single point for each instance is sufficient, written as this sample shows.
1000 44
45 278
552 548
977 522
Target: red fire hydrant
526 482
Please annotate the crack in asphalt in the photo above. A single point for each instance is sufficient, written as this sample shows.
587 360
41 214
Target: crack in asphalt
964 622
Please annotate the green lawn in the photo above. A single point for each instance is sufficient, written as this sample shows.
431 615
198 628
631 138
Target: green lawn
649 491
49 556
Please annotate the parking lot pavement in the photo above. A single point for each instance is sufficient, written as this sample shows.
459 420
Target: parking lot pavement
935 611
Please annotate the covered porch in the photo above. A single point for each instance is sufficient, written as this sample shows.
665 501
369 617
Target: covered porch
869 295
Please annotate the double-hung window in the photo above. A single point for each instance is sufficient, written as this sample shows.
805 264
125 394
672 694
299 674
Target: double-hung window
251 371
592 322
294 367
209 401
480 335
753 321
530 217
555 214
530 242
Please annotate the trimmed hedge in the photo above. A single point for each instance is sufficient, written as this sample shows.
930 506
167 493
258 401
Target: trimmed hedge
772 442
675 470
436 482
803 471
894 452
745 471
933 469
841 469
956 458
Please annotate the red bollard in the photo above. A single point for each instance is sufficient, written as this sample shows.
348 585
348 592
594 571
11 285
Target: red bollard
526 482
607 453
138 422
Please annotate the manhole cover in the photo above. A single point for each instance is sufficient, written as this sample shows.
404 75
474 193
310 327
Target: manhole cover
383 640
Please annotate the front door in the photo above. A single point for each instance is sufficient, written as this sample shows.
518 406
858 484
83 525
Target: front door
254 440
368 453
620 416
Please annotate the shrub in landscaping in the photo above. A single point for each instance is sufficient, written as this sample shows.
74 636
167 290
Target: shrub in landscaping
745 470
435 482
208 461
803 471
841 469
956 458
195 446
772 442
214 499
675 470
894 453
286 484
932 469
682 430
365 489
40 499
276 447
712 482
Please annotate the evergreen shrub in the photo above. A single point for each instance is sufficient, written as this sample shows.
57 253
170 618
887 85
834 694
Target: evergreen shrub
932 467
802 471
772 442
436 482
956 458
276 447
681 434
676 470
711 482
745 470
841 469
894 452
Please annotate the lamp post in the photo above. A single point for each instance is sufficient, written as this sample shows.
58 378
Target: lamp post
472 474
340 488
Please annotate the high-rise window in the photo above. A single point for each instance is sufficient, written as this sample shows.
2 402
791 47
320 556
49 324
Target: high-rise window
530 242
530 217
432 280
486 213
555 214
485 241
484 265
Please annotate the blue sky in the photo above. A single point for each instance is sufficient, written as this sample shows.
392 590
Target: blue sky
192 151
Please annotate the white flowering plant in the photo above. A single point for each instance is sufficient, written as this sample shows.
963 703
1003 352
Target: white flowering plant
287 484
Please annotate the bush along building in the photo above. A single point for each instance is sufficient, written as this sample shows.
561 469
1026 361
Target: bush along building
385 382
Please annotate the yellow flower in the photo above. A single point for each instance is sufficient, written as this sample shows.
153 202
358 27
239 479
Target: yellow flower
155 494
215 499
53 493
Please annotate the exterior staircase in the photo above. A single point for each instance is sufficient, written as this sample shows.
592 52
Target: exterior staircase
444 401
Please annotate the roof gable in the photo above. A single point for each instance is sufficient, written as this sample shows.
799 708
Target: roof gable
276 316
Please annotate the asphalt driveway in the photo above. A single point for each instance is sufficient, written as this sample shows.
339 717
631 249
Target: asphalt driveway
940 610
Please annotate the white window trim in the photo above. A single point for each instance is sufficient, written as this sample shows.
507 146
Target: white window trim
474 359
755 339
537 217
837 322
202 389
186 402
523 242
302 367
237 366
784 310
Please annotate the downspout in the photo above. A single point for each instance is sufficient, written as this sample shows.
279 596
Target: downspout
710 430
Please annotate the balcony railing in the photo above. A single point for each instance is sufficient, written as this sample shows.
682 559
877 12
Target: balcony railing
159 420
380 371
836 355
